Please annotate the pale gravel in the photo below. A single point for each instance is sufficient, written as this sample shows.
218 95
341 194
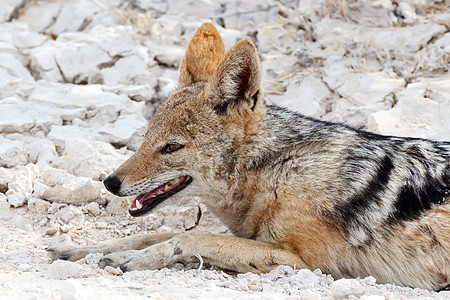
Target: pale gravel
371 64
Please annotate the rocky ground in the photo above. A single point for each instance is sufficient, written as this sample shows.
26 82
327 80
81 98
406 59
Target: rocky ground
79 79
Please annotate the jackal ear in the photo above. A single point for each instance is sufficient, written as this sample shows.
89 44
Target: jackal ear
204 53
237 80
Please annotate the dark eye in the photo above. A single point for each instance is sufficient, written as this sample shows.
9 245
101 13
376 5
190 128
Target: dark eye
171 147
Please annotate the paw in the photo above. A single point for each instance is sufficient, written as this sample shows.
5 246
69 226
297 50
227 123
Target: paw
66 252
152 258
126 261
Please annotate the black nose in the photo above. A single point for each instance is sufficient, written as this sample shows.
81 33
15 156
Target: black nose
112 184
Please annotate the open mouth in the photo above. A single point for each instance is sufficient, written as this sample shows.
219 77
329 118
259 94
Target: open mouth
146 202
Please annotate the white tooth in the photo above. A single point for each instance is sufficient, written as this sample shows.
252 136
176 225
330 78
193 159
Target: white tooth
166 187
160 192
138 205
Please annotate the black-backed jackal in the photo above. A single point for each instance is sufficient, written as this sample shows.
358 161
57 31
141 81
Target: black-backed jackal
293 190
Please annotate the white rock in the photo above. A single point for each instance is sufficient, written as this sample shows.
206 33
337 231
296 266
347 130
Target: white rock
128 124
62 134
95 159
51 231
164 229
55 207
26 116
409 38
304 96
60 186
412 119
65 217
93 258
75 289
101 225
115 40
344 288
278 66
93 208
62 16
272 36
43 221
379 11
70 213
24 267
42 152
17 257
372 297
444 42
61 269
41 16
305 276
80 191
21 178
422 111
444 294
168 81
39 188
311 8
13 74
370 280
166 30
55 177
44 63
16 199
67 61
182 216
433 56
130 69
407 12
104 54
6 47
77 96
309 295
279 272
335 33
239 21
2 199
116 205
99 117
19 35
38 205
169 56
113 271
135 92
12 153
362 94
7 7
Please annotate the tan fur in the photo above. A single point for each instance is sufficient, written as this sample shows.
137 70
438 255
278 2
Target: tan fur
204 53
277 212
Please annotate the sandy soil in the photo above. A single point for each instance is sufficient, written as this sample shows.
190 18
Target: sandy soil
79 79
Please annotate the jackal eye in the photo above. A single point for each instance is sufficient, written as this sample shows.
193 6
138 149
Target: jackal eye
171 147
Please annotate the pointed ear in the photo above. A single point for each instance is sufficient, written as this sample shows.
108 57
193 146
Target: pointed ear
237 80
204 53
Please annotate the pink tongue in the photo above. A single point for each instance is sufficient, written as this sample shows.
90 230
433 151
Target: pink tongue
143 197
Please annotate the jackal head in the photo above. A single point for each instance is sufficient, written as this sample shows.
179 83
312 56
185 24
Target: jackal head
198 131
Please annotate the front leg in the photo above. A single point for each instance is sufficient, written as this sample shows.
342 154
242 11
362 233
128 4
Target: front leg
135 242
228 252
